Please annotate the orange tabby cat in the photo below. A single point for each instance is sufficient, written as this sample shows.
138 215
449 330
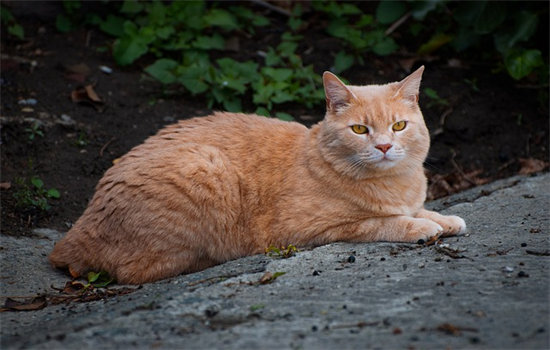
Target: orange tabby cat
210 189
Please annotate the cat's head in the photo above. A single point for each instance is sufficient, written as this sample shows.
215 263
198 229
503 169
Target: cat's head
373 130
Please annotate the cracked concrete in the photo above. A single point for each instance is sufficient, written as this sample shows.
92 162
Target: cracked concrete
487 289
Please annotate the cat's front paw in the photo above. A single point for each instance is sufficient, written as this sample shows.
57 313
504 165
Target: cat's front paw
422 229
452 225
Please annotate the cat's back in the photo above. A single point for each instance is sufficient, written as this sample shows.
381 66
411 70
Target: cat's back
241 138
229 130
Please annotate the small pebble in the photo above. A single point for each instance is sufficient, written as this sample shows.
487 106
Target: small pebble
523 274
28 102
420 241
524 244
508 269
105 69
351 259
315 273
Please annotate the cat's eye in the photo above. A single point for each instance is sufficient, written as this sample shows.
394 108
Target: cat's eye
359 129
399 125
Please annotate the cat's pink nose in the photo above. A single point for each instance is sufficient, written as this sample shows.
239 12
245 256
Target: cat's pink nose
384 147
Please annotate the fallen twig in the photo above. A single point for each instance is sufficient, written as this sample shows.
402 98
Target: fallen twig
538 253
398 23
105 146
272 7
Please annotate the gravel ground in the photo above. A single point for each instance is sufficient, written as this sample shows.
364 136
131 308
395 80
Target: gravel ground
486 289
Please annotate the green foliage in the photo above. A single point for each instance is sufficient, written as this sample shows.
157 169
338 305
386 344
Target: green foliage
435 99
33 131
32 194
360 32
282 252
98 280
185 40
81 140
256 307
7 20
507 27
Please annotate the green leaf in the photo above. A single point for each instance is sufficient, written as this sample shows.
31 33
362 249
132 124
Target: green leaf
491 17
365 20
348 9
277 74
262 111
17 31
260 21
162 70
422 8
157 13
221 18
521 63
192 78
467 12
388 12
99 279
127 50
38 183
339 29
385 46
113 25
53 193
431 93
165 32
93 276
524 27
284 116
214 42
342 62
272 58
6 16
232 104
435 42
278 274
256 307
63 23
287 48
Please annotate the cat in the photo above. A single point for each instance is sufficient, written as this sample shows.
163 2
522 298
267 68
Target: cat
210 189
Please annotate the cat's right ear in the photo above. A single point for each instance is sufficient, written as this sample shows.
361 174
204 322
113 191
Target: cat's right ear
337 94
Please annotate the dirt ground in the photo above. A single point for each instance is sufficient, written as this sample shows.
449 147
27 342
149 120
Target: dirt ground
491 127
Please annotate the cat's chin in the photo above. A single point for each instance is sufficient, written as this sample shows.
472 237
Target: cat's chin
384 164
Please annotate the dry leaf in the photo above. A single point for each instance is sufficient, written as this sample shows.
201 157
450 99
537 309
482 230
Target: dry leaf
531 165
266 278
87 95
31 304
92 94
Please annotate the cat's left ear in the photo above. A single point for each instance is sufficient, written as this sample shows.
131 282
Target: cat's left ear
409 88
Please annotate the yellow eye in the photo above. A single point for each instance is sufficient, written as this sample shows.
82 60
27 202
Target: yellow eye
399 125
359 129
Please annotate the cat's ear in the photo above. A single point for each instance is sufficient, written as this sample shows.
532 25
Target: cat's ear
409 88
337 94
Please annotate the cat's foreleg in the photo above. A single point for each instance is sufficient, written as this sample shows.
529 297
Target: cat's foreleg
400 229
451 224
